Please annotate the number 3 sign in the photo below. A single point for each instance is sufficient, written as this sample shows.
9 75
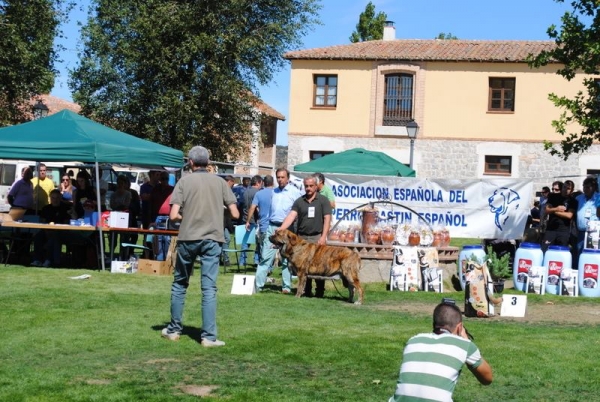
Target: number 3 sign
513 305
242 285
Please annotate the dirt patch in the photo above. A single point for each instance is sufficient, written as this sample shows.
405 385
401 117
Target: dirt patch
98 382
162 361
198 390
551 312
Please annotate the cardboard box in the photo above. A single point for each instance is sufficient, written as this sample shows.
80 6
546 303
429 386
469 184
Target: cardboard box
120 267
118 219
153 267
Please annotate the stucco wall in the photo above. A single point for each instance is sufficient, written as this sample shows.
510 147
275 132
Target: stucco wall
456 102
350 117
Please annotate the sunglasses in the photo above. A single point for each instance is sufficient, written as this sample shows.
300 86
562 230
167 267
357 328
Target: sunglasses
555 189
66 179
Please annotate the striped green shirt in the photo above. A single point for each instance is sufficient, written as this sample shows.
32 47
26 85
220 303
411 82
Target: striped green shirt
431 365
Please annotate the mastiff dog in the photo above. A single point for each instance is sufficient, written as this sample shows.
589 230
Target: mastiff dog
319 260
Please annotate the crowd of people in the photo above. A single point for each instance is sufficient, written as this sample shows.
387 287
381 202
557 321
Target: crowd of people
76 198
562 214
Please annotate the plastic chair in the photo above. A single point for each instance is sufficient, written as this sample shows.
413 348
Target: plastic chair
130 248
241 236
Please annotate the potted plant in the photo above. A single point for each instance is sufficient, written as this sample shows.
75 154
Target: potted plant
499 268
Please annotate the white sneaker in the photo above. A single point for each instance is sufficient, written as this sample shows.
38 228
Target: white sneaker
46 264
172 336
36 263
207 343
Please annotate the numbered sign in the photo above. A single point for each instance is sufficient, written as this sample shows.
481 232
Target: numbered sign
242 285
513 305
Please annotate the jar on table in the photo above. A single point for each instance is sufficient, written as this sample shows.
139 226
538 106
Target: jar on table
414 238
445 237
388 235
372 237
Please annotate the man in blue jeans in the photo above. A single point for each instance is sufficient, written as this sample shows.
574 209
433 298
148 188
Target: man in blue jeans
281 203
262 203
249 219
197 202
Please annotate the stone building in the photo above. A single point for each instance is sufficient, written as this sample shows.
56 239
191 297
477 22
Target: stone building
482 111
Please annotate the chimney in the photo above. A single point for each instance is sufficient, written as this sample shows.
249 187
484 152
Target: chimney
389 31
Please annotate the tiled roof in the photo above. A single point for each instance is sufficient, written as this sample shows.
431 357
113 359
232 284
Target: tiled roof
268 110
55 104
427 50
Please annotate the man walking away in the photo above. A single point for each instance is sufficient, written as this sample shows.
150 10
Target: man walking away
197 202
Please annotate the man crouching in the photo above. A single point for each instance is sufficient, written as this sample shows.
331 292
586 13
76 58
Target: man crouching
431 362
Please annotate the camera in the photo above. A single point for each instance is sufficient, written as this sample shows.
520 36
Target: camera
451 302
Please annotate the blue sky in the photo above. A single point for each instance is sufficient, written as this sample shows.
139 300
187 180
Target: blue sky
420 19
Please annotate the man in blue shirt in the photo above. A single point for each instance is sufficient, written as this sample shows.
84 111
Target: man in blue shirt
586 212
261 202
255 186
281 203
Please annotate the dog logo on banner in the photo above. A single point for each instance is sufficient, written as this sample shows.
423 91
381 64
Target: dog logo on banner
503 203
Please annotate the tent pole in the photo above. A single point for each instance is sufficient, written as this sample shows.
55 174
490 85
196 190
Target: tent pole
102 263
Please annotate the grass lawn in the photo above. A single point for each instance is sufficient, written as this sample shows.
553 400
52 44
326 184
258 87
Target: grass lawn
99 340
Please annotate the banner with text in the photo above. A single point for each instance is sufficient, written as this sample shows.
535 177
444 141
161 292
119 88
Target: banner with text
483 208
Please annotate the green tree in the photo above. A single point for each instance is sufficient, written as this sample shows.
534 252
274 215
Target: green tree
370 26
183 73
446 36
577 49
27 53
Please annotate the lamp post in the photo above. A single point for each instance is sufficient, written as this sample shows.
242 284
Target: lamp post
412 128
40 110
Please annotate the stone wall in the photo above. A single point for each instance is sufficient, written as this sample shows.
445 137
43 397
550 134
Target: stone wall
281 157
464 159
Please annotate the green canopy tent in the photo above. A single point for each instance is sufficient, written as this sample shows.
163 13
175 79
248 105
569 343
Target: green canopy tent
67 136
357 161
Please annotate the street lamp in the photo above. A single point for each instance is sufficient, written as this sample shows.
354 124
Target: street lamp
412 128
40 110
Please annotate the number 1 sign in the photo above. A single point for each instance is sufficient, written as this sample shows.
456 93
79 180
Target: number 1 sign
242 285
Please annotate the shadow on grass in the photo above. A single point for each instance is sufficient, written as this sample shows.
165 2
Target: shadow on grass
189 331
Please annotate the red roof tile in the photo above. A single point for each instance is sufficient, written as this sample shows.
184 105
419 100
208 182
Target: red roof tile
427 50
268 110
55 104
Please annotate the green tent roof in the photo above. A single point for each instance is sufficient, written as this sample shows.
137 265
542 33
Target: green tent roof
357 161
67 136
